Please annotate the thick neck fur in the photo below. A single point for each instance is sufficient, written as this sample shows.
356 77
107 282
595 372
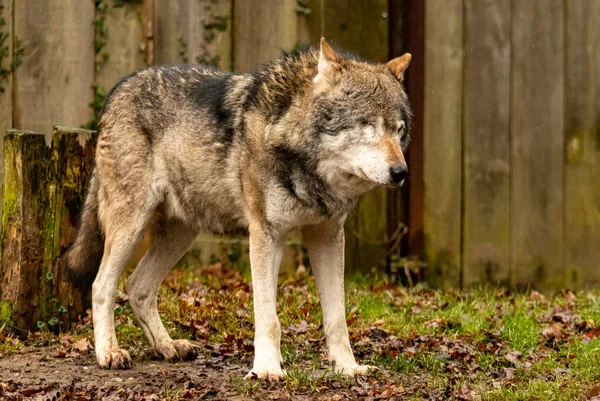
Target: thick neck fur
282 92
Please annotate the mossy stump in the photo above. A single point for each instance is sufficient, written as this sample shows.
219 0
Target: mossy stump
44 189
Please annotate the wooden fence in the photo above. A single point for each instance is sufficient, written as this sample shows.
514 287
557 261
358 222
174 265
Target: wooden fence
512 142
505 183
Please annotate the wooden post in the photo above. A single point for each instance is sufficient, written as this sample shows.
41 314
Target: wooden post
44 190
72 163
25 202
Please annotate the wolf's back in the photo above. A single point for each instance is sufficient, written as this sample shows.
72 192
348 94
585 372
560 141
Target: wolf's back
85 254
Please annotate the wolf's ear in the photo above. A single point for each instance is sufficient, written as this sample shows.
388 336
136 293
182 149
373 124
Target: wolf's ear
398 65
330 64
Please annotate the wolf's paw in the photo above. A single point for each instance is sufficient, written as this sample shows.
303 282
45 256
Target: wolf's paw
356 370
178 350
114 359
266 374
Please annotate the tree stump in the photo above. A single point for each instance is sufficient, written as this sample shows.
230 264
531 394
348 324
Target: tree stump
44 189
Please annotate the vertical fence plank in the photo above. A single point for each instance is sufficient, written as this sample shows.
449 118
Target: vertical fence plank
53 82
414 41
6 79
442 140
357 26
537 101
148 23
486 142
194 31
124 43
262 30
6 52
208 33
347 24
169 45
309 21
582 124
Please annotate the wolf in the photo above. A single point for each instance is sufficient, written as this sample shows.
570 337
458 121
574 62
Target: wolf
184 149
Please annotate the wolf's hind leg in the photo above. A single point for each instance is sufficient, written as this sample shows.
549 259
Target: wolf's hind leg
119 247
169 241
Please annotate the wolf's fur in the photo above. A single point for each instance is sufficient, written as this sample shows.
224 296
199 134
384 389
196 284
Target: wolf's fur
189 148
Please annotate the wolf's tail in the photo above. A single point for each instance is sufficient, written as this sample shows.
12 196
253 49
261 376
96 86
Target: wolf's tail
85 254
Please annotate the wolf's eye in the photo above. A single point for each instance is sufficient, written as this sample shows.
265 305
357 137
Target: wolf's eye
366 124
401 129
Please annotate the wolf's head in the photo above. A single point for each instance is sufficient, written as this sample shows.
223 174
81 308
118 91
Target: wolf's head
362 115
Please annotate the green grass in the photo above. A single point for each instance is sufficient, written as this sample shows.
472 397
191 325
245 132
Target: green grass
483 343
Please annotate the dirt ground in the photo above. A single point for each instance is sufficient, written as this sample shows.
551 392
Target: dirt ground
41 374
35 374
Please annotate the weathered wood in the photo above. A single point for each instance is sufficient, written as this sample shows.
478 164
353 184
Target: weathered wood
44 190
442 136
148 23
309 14
537 137
6 80
57 70
582 123
262 32
71 166
357 26
486 142
168 37
23 277
125 43
366 234
193 31
209 33
6 58
413 32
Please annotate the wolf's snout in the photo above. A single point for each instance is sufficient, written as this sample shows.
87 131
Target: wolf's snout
398 172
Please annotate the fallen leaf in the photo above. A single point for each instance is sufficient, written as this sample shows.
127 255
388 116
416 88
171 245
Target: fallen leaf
594 392
536 296
513 357
299 328
81 345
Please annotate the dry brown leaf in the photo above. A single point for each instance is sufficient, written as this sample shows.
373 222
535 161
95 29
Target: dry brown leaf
81 345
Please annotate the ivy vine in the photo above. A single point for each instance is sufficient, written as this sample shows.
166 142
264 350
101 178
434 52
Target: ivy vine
217 24
100 58
18 50
302 7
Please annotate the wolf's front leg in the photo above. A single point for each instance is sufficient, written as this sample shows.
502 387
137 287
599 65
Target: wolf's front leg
266 249
325 244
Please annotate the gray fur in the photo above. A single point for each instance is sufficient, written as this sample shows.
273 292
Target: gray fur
196 149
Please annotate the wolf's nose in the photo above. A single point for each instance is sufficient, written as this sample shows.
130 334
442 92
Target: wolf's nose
398 172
